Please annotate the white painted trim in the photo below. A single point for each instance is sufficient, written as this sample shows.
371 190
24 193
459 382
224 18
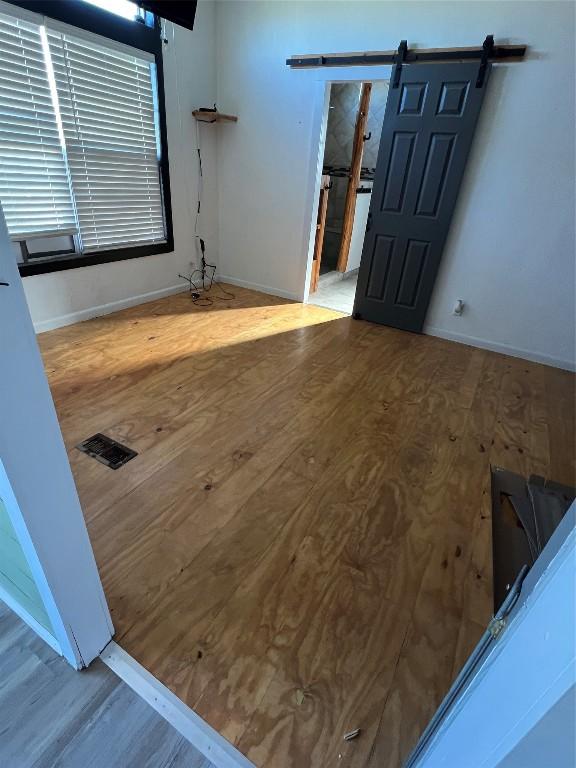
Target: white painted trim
194 729
38 484
105 309
460 338
15 606
62 642
504 349
317 145
316 152
258 287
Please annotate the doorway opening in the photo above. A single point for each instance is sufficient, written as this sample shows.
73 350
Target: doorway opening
353 129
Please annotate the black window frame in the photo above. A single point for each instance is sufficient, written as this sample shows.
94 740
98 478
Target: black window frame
90 18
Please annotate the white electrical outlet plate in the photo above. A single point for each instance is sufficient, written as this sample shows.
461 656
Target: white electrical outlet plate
458 307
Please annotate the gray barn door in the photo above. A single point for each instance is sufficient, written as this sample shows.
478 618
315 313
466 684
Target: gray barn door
426 138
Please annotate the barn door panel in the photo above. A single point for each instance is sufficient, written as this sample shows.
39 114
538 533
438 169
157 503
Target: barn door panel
428 130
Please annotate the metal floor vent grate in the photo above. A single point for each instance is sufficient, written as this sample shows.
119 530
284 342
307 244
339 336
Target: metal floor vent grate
106 451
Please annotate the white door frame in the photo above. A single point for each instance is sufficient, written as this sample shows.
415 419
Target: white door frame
37 485
324 79
515 703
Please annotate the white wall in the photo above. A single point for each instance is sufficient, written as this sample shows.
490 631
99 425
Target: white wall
510 255
76 294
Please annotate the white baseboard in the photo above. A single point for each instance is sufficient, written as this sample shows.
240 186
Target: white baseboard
131 301
472 341
106 309
504 349
195 730
258 287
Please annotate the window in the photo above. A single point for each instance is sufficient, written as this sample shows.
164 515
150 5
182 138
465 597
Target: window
106 106
82 173
121 7
34 184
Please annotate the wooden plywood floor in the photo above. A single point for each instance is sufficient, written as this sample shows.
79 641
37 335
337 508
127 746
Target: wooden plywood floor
302 546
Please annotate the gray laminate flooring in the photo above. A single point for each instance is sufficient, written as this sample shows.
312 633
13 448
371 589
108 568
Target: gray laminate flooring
54 717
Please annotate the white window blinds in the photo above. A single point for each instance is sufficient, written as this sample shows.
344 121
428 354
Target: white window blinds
107 104
34 184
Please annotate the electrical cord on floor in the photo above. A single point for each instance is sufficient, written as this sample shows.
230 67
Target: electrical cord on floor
200 286
198 291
